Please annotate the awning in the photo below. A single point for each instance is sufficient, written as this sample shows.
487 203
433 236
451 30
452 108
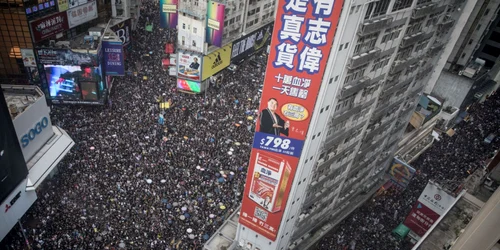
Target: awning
47 158
169 48
401 231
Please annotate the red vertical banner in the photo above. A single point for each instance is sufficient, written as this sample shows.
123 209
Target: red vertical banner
300 46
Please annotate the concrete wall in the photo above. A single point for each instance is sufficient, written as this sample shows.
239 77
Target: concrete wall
452 88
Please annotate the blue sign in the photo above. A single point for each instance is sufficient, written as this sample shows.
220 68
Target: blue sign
113 58
31 135
278 144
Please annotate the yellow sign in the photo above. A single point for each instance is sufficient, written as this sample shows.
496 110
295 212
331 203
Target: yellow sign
216 61
169 8
62 5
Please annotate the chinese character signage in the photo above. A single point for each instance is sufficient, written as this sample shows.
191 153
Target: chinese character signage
49 26
401 173
251 43
168 13
215 23
65 57
432 204
122 30
28 56
82 14
216 61
189 66
113 58
300 45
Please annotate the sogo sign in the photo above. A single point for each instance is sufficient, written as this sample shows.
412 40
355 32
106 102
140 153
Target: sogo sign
32 133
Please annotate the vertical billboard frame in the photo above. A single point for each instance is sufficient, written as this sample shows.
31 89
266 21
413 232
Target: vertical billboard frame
300 47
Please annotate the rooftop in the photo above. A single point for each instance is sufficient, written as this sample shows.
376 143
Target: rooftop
19 98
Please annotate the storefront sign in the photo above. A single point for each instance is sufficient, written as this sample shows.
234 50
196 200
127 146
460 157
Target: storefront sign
47 27
82 14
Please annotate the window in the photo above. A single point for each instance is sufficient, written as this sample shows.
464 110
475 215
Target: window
470 41
183 26
195 30
380 63
478 27
415 26
401 4
404 53
376 9
411 69
433 19
355 74
365 43
392 34
486 12
420 2
422 45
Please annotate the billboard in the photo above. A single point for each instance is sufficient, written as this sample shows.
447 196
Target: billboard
48 26
123 31
12 165
190 86
401 173
74 82
82 14
250 44
113 58
432 204
168 13
190 34
215 23
28 56
189 66
65 57
76 3
300 46
216 61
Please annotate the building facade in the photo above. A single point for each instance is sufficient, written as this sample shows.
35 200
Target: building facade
381 57
206 31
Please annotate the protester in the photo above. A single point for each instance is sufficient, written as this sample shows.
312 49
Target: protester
448 162
132 182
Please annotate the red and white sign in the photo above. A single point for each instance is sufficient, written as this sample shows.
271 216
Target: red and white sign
432 204
49 26
300 46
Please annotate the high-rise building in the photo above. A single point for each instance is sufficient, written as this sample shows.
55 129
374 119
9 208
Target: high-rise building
374 59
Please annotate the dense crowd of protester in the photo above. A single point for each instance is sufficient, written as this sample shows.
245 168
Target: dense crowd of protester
131 182
448 162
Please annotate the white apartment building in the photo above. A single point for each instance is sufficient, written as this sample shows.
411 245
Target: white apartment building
382 56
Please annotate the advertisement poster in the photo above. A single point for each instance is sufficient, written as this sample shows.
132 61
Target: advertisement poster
189 66
252 43
113 58
82 14
49 26
62 5
65 57
300 46
401 173
73 82
432 203
216 61
123 31
28 56
190 86
190 34
168 14
215 23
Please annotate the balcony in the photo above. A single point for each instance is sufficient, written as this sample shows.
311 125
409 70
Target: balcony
372 26
358 85
446 25
401 64
412 39
394 86
334 158
342 116
383 110
363 59
336 138
423 10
